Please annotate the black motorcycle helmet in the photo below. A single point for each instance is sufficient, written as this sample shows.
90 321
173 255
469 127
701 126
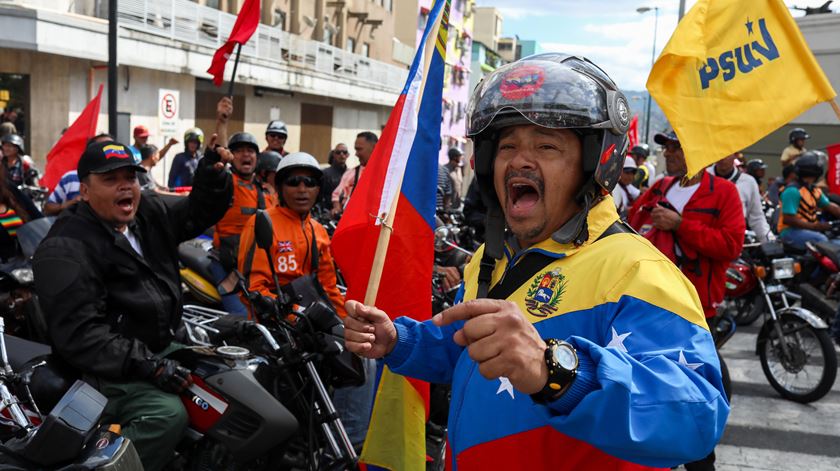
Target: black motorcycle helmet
755 165
277 127
555 91
267 161
241 139
797 133
15 140
640 151
809 164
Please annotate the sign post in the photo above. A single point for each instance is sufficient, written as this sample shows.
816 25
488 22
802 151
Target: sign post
169 108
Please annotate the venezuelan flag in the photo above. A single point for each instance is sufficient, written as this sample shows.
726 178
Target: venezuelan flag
397 189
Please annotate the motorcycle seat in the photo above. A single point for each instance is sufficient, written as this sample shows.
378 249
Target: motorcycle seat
195 256
21 351
791 250
830 250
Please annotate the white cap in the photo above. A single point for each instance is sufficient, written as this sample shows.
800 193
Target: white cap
630 163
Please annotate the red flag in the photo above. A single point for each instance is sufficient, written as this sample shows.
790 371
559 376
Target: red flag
65 154
833 174
633 132
243 29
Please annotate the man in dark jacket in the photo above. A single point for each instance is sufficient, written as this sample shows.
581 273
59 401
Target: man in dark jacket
107 274
332 175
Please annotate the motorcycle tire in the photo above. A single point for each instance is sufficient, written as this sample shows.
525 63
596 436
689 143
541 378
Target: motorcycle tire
748 309
829 372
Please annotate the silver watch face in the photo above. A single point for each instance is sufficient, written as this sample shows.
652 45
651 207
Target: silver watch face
565 356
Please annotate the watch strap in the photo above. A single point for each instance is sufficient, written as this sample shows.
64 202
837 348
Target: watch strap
560 379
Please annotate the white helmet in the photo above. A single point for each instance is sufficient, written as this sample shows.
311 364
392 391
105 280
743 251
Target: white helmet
298 160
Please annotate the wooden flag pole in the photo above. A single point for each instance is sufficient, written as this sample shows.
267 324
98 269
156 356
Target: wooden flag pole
835 107
385 229
387 220
235 65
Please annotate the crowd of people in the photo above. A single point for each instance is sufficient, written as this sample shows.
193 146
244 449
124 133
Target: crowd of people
603 376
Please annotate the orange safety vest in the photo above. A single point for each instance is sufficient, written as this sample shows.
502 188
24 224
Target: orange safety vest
808 200
291 252
248 197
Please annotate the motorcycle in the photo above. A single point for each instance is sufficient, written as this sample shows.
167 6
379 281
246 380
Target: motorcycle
195 259
261 403
18 301
794 346
821 287
744 301
70 437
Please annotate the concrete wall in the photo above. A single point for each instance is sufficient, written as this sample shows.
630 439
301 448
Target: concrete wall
486 26
49 90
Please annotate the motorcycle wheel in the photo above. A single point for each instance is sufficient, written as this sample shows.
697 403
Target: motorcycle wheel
747 309
812 355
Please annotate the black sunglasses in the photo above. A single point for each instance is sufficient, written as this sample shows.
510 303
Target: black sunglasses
310 182
341 151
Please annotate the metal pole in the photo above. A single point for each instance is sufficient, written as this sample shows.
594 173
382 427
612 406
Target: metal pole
235 66
652 61
112 68
682 9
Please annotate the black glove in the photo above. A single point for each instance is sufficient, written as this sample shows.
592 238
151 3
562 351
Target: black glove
171 377
232 326
265 307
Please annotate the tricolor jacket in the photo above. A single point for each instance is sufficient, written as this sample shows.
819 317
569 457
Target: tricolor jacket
648 391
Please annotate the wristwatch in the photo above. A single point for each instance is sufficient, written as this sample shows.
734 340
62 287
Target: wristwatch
562 362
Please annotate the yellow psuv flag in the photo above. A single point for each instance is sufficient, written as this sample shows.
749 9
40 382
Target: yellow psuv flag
733 72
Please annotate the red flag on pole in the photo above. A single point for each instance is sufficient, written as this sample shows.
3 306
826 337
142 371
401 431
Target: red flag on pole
65 154
833 174
633 132
243 29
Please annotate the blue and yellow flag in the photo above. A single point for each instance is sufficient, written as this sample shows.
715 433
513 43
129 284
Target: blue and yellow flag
733 72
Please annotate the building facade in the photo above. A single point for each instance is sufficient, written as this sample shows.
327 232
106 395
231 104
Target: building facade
53 56
412 16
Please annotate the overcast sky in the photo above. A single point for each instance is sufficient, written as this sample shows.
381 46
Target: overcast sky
609 32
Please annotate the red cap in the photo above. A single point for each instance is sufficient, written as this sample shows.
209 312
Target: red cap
141 131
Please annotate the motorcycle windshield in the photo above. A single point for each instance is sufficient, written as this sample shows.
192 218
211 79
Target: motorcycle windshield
32 233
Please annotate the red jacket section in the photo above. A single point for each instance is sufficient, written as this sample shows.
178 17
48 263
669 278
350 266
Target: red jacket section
710 235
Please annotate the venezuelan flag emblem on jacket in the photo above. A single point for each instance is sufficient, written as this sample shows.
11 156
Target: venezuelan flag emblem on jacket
396 193
733 72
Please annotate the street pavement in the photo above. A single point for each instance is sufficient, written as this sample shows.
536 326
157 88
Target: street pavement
766 432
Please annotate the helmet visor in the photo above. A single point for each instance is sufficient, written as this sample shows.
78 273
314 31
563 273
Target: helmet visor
546 93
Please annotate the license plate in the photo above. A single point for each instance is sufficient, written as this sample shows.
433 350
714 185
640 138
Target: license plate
773 289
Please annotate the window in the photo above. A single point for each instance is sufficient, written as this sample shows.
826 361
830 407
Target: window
351 45
389 5
365 49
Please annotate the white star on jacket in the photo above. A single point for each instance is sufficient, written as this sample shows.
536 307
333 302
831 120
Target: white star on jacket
617 340
685 363
505 386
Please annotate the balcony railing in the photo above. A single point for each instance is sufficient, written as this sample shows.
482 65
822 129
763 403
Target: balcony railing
189 22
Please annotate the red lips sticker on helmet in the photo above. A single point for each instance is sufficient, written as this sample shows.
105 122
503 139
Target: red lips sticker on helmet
522 82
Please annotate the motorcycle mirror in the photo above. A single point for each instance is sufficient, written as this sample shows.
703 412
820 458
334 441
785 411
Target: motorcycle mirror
263 230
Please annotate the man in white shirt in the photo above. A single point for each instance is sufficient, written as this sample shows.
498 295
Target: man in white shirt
750 196
624 194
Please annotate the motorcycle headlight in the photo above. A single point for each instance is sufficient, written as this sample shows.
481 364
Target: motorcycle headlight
23 276
783 268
